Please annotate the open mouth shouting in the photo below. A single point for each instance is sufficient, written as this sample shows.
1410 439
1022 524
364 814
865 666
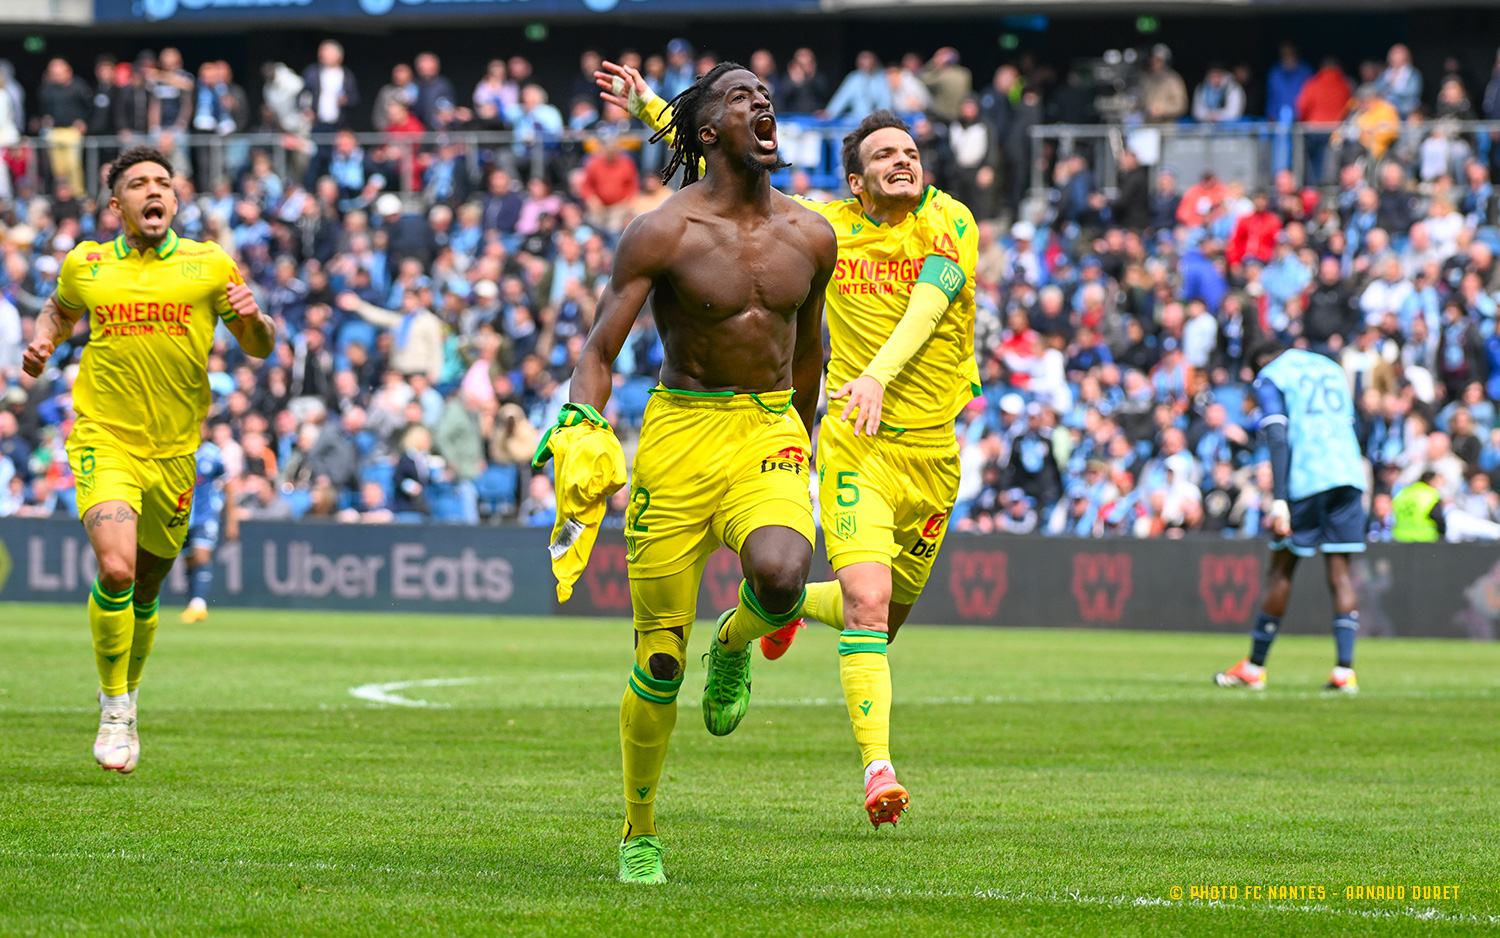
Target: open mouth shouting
764 130
901 177
155 210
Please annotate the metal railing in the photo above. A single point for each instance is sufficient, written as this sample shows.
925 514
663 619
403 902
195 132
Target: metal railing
216 156
1248 152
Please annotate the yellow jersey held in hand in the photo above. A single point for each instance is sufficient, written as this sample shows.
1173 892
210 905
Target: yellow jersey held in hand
144 374
871 286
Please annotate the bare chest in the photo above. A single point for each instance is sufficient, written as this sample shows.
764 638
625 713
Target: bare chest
724 269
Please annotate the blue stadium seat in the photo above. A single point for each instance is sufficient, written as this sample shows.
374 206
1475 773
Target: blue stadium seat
383 473
497 487
632 397
444 504
299 501
355 330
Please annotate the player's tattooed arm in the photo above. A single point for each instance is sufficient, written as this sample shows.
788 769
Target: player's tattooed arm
53 322
807 355
644 253
253 329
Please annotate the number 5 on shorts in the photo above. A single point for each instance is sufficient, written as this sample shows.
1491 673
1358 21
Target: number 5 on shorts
845 484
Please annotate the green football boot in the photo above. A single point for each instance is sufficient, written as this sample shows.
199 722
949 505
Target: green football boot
640 860
726 693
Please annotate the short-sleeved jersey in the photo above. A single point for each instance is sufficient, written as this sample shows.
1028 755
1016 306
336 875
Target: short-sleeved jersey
1311 394
144 375
871 286
208 494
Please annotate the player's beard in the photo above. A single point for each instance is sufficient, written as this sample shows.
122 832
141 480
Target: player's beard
756 166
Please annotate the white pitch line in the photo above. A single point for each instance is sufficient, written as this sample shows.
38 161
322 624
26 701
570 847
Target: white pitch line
386 693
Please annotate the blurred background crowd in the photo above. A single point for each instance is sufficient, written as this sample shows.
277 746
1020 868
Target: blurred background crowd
433 287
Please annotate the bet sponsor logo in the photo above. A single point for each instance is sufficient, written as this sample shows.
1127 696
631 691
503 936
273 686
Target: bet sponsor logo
792 459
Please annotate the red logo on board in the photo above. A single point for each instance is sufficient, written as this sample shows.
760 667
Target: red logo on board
978 580
721 579
1229 585
606 578
1101 585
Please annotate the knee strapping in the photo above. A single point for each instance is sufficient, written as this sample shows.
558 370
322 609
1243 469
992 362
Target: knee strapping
659 658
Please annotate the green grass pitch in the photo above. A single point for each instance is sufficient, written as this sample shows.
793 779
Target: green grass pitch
1063 783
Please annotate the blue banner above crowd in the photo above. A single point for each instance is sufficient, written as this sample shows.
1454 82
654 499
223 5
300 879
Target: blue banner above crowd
223 11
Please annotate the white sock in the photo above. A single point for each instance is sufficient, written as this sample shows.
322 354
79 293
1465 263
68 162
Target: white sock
877 765
131 694
197 602
110 702
1254 668
1343 674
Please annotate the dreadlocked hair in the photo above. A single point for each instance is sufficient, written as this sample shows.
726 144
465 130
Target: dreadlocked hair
687 149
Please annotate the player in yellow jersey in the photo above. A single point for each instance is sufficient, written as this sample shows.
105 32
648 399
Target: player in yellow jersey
736 274
152 300
900 313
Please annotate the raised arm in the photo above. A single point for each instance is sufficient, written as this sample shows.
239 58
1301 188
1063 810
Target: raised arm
807 357
640 258
623 86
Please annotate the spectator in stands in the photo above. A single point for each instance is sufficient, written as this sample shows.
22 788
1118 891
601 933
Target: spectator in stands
608 184
401 89
1131 207
65 103
948 81
863 90
431 86
1324 99
330 91
908 94
102 119
976 156
1163 94
1400 83
417 334
804 90
1255 233
1284 83
537 124
281 89
172 85
135 110
502 203
679 71
1219 98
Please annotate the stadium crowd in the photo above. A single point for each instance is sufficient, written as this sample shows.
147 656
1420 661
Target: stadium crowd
433 301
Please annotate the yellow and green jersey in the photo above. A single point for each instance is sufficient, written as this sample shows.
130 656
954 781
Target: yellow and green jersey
871 286
144 374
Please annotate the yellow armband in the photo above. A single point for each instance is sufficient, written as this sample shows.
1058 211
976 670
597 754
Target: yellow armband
938 284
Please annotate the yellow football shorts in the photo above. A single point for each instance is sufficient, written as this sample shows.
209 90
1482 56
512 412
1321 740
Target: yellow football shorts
710 468
887 499
160 491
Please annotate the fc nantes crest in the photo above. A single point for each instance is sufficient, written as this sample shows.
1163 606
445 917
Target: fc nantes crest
844 524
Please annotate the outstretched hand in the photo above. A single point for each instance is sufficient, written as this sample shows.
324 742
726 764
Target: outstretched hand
622 86
866 397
